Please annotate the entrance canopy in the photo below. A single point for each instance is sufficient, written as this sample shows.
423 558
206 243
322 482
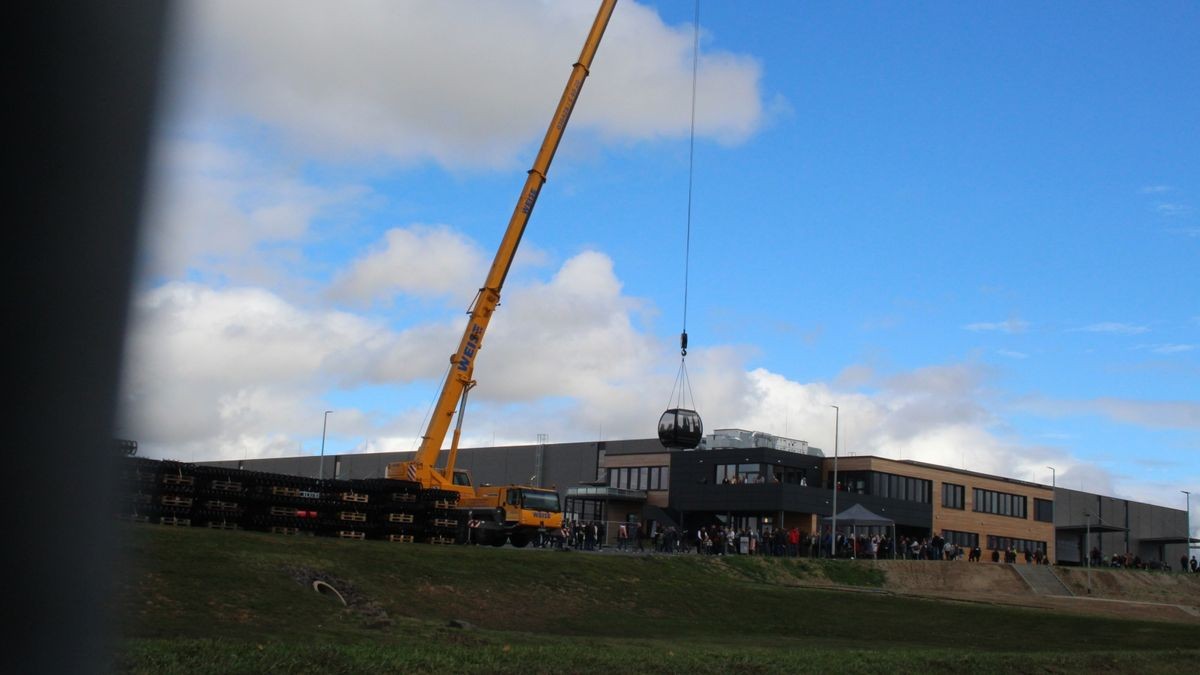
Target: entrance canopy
1094 528
859 515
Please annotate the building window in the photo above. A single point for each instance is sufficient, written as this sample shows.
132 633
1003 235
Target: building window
1000 503
739 473
639 477
891 486
952 496
1043 510
1019 545
962 539
600 470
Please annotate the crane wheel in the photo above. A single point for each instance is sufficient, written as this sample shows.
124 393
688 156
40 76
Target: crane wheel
498 539
519 540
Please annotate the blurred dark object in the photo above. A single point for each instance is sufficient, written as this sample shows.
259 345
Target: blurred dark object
124 448
86 76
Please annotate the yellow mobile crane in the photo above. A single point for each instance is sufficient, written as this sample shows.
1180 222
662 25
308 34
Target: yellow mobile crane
508 512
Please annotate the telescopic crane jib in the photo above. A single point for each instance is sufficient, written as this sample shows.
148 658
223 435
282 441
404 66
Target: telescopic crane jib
458 383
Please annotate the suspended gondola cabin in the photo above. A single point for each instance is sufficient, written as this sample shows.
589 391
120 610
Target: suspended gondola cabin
680 428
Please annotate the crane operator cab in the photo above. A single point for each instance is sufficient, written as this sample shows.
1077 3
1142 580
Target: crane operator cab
462 478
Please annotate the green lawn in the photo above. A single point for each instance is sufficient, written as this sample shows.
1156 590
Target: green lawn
224 602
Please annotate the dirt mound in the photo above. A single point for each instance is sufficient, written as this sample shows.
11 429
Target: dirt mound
927 576
1139 585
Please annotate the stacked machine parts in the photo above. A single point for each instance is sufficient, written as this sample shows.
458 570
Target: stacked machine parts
193 495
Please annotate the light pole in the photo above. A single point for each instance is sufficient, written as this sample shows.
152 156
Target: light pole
1052 477
324 425
837 418
1187 538
1088 552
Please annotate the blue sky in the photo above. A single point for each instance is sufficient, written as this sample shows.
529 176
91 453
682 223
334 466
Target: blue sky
974 227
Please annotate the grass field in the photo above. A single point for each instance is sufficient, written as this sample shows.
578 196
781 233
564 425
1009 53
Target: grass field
197 601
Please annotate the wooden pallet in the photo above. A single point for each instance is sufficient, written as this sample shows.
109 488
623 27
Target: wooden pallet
355 497
175 479
441 540
351 534
405 518
401 538
172 520
285 511
177 502
444 522
444 504
218 505
222 525
227 486
404 497
353 516
282 491
284 530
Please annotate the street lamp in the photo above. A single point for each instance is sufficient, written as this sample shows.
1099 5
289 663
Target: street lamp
1087 551
1187 539
837 418
324 425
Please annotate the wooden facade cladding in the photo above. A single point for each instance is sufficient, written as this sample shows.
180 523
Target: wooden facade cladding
655 459
659 498
965 519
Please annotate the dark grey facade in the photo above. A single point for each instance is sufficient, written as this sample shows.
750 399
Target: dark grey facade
559 465
1116 526
695 489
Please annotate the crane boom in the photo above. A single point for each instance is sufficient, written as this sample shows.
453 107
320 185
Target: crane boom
462 363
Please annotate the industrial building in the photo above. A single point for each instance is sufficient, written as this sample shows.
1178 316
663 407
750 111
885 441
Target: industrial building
753 480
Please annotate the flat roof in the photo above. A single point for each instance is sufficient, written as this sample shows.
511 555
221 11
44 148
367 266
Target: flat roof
1094 527
950 469
606 493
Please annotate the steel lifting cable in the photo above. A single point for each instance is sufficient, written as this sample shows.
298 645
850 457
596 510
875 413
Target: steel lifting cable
681 379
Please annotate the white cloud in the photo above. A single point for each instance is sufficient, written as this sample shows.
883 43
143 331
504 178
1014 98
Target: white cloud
1113 327
461 84
1150 414
239 371
1172 209
1172 348
213 209
416 260
1010 326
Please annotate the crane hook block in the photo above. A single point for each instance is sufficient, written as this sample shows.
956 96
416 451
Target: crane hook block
683 343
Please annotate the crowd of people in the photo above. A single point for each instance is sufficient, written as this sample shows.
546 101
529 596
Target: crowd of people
716 539
1134 562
